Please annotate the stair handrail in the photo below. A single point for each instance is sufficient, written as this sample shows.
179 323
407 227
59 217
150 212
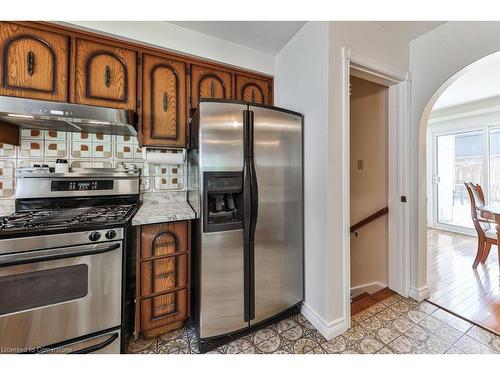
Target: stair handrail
369 219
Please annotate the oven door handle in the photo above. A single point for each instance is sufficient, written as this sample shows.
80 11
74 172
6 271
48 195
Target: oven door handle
96 347
54 254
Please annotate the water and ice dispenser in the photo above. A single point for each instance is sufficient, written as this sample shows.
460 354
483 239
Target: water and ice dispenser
223 201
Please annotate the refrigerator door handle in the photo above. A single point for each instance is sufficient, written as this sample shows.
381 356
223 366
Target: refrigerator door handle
254 212
247 216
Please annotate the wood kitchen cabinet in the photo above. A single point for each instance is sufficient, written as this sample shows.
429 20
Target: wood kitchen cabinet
163 277
41 60
34 63
105 75
207 82
255 90
164 113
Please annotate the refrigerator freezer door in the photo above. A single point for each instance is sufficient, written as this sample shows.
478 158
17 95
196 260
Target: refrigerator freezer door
221 136
220 255
279 231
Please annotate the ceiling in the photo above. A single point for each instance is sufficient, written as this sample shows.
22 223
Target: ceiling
409 30
272 36
267 36
480 82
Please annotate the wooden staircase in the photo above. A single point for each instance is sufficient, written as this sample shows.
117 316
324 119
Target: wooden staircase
365 300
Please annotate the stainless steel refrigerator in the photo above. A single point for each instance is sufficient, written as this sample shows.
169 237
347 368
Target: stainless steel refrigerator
245 179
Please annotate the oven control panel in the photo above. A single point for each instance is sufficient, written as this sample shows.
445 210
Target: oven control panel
102 235
78 185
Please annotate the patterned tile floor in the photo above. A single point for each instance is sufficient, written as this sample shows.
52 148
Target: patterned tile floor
395 325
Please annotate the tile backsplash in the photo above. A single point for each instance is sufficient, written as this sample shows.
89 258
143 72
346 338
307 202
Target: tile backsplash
84 150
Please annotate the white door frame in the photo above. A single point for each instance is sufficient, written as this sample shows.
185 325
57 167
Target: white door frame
398 168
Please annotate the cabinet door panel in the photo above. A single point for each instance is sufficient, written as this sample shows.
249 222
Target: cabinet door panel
253 90
164 94
164 239
209 83
163 275
105 75
34 63
163 309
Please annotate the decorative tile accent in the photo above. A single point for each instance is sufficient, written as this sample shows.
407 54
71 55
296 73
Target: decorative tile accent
6 187
81 150
7 169
101 150
31 134
31 148
56 149
54 135
7 151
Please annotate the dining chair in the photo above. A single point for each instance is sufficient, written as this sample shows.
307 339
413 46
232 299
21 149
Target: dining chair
486 232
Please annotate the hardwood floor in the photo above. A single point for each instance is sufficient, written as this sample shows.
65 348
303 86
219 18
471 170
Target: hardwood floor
456 286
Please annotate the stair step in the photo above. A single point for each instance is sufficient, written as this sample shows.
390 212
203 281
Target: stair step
358 297
370 300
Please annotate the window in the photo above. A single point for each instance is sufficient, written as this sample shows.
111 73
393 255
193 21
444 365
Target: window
460 158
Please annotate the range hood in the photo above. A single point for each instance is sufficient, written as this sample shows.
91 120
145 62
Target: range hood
46 115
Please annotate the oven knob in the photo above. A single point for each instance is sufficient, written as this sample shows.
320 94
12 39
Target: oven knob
110 234
94 236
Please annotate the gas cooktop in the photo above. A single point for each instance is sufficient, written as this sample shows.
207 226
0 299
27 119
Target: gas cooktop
67 218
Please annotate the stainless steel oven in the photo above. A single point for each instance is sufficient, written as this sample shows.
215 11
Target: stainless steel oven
61 291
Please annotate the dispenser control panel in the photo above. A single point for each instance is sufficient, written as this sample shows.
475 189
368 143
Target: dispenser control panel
223 201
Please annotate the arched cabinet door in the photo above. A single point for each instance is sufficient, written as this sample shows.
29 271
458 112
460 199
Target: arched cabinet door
163 289
209 83
34 63
164 96
105 75
253 90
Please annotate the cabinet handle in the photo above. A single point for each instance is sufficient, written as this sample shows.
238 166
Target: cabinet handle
212 89
165 102
164 307
107 76
30 61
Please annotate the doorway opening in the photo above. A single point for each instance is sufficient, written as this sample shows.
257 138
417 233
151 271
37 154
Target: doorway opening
369 202
392 90
463 146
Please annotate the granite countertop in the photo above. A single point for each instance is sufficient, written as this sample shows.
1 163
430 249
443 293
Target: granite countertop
160 210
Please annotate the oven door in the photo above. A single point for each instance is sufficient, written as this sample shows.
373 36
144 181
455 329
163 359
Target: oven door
54 295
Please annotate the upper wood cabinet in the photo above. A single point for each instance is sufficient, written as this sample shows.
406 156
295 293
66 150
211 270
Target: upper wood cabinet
53 62
164 113
34 63
105 75
251 89
209 83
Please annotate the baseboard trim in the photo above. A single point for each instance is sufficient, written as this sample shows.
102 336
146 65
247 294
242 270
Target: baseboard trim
370 288
419 294
328 330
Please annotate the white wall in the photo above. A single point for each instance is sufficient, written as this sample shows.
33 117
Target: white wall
301 84
434 58
309 80
180 39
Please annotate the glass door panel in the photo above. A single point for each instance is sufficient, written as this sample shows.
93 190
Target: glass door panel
494 172
460 158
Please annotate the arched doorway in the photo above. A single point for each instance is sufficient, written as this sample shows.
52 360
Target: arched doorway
458 137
